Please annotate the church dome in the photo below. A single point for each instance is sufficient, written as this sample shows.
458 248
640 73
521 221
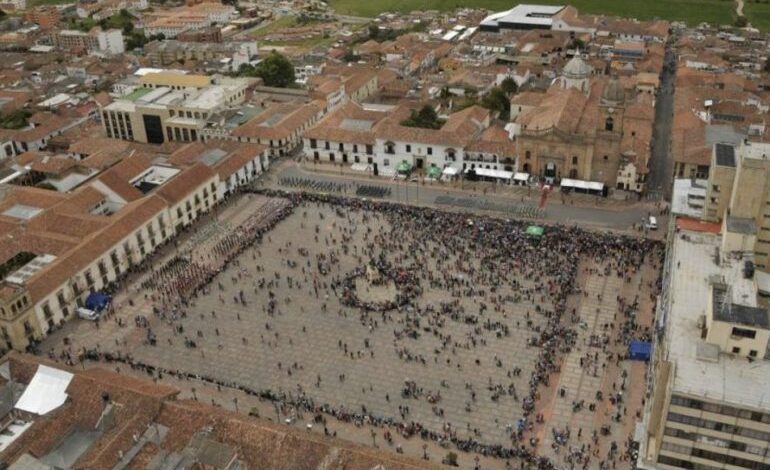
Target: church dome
614 92
576 68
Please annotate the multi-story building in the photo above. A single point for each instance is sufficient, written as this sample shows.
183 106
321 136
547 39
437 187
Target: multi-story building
739 186
163 53
47 17
170 107
96 40
709 404
198 17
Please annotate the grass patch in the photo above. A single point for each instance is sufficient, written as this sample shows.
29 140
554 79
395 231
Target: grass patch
758 14
691 11
280 23
36 3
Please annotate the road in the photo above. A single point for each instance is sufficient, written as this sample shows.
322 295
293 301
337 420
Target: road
615 218
662 164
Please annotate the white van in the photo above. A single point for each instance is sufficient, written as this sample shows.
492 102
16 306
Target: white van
88 314
651 224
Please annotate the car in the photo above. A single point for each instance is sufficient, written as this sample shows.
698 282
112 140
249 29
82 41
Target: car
651 223
88 314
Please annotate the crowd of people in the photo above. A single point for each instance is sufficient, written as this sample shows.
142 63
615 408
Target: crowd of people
505 248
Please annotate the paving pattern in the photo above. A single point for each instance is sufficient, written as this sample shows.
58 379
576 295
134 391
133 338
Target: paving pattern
581 377
308 335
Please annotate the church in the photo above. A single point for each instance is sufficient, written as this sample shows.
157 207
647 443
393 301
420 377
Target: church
586 126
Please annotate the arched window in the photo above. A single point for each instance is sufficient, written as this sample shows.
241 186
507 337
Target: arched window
608 124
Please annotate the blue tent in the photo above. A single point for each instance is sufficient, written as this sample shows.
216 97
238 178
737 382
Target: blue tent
640 350
96 301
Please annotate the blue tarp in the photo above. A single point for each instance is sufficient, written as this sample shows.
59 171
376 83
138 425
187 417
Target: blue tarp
96 301
640 350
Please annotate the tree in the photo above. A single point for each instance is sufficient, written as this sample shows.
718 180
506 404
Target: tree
497 100
425 118
741 21
767 66
351 56
276 70
509 86
576 43
15 119
450 459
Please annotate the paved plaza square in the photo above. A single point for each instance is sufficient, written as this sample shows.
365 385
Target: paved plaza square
436 319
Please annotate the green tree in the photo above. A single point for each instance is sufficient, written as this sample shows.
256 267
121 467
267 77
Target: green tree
497 100
509 86
767 66
741 21
576 43
276 70
15 120
425 118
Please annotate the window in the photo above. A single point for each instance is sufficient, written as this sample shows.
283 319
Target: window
736 350
609 124
753 353
369 150
326 145
574 160
527 155
606 158
430 150
341 147
408 148
386 162
390 148
313 143
743 333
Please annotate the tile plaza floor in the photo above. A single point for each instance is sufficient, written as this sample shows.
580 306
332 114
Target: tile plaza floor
308 336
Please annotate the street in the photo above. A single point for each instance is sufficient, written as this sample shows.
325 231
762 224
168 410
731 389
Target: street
615 215
661 163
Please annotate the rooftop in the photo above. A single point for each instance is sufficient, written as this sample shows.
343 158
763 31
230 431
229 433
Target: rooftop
729 379
725 155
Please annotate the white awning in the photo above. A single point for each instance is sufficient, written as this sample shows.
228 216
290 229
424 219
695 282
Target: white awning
580 184
521 176
359 167
451 171
46 391
488 173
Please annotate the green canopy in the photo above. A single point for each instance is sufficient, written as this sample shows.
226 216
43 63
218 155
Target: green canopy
434 172
404 167
535 230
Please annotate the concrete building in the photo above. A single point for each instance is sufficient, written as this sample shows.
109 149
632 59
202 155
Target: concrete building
108 42
170 107
709 405
739 187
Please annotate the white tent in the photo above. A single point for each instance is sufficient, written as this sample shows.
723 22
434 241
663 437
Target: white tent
450 171
46 391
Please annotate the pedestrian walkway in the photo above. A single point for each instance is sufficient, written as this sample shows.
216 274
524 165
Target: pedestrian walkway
581 376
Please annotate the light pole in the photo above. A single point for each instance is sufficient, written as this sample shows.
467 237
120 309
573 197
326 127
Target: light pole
195 397
235 401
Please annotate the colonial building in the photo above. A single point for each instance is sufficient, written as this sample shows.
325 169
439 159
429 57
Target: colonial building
585 127
466 140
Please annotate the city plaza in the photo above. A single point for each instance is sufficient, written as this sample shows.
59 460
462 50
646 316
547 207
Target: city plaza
421 323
